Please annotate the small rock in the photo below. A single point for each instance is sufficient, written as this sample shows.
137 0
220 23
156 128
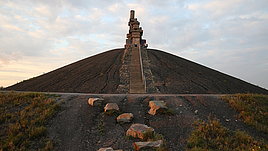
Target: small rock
139 130
196 111
106 149
157 107
95 101
110 107
150 144
109 149
125 117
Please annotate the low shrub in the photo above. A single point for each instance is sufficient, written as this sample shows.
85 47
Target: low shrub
23 117
212 136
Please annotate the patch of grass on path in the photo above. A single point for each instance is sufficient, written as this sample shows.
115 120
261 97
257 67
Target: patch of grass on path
252 108
23 119
212 136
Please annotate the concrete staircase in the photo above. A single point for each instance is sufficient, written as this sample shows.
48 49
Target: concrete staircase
137 81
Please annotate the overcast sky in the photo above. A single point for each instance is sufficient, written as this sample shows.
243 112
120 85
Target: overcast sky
37 36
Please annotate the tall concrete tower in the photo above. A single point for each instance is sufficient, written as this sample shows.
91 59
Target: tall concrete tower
134 43
134 37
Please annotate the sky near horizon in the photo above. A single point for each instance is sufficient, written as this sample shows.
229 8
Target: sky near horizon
230 36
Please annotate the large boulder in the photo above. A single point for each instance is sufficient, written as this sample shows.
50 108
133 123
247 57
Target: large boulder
148 145
111 107
157 107
95 101
124 118
140 131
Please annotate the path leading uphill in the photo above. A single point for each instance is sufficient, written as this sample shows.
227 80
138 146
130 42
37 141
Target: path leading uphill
170 73
81 127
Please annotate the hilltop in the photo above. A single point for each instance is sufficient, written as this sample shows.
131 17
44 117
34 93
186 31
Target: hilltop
171 75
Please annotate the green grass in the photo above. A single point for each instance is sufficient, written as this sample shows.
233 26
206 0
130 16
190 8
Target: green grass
252 108
23 119
212 136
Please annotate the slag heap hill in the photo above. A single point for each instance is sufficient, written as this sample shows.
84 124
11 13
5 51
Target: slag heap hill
136 69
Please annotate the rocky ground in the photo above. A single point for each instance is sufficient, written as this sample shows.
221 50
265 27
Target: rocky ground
79 126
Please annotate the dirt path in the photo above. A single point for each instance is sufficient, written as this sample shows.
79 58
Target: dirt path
81 127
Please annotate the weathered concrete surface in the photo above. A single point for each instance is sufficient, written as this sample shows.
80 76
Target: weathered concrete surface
137 81
134 42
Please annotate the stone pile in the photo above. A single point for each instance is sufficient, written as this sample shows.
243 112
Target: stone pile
143 132
137 130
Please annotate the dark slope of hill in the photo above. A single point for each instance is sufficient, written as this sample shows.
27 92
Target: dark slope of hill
96 74
174 74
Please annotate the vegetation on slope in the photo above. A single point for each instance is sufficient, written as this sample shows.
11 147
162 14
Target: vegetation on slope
252 108
212 136
23 117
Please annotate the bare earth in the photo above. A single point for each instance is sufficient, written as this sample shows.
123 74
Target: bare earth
81 127
171 75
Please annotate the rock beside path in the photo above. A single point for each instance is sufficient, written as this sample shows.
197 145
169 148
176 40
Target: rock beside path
125 118
157 107
111 107
139 131
148 145
109 149
106 149
95 101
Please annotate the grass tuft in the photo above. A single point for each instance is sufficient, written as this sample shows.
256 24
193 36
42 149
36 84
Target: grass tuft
252 108
153 136
213 136
23 117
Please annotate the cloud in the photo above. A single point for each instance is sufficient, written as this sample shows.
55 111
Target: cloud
229 35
